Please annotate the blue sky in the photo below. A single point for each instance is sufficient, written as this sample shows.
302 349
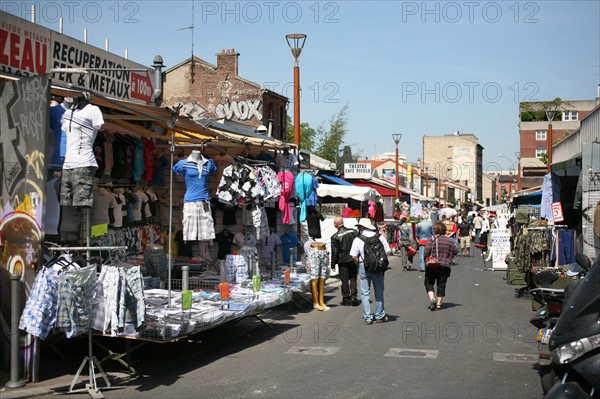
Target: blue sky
409 67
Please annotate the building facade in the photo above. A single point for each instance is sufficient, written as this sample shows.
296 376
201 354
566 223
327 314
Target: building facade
455 157
533 134
217 92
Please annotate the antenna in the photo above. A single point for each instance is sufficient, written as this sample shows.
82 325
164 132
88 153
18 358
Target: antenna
191 27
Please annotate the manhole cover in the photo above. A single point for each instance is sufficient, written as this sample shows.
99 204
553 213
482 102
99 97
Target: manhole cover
313 350
414 353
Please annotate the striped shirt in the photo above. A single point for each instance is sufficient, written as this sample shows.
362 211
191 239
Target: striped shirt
443 248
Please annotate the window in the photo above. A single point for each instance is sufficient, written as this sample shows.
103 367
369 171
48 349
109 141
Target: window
570 115
539 152
540 134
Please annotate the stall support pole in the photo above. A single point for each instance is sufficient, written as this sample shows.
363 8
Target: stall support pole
14 382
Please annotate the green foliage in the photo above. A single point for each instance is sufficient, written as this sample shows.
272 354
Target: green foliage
331 138
307 134
544 158
536 111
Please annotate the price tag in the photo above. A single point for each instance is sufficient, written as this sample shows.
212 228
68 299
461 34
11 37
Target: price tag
100 230
186 300
557 212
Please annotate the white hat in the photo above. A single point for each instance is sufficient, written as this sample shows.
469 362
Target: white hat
366 223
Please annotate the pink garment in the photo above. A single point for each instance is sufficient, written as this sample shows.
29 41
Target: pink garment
371 209
287 185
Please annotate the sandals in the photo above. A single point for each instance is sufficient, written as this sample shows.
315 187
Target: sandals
432 306
438 307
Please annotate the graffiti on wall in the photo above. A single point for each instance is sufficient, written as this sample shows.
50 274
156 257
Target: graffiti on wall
23 128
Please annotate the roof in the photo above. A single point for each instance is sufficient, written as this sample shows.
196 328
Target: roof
384 191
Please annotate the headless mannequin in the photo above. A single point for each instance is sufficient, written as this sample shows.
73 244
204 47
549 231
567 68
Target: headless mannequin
317 285
196 155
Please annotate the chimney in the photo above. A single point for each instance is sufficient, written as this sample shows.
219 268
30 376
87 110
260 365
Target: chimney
598 92
227 60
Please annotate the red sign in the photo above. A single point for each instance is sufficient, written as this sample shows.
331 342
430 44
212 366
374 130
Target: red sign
557 212
141 87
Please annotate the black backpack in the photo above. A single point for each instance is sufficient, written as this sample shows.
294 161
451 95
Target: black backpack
376 260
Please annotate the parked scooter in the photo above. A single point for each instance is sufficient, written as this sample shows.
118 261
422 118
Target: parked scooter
575 340
551 302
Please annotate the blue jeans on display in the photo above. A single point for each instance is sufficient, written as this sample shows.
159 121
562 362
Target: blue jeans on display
422 258
365 292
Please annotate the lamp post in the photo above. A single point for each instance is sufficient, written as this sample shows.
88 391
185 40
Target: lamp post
295 42
550 108
397 138
518 154
427 181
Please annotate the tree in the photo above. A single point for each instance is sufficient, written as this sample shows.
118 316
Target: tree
330 139
307 134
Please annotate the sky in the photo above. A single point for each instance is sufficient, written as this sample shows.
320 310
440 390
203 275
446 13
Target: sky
410 67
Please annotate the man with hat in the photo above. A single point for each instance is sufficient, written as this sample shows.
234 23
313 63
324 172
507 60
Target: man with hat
367 229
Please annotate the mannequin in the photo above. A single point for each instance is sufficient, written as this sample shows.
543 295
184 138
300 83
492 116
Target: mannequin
81 123
198 222
318 259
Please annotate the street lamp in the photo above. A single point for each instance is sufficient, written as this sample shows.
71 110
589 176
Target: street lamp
518 155
295 42
397 138
550 108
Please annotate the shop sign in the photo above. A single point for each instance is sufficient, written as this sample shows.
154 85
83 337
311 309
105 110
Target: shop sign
357 171
27 49
501 248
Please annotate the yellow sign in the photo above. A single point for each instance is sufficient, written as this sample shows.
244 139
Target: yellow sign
409 173
100 230
186 300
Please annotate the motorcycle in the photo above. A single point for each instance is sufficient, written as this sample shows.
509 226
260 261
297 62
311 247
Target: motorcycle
575 340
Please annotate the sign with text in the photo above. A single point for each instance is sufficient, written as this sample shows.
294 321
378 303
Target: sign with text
357 171
28 49
557 212
500 248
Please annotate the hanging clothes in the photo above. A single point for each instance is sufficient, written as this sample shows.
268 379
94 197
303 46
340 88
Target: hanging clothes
313 220
304 188
287 185
550 194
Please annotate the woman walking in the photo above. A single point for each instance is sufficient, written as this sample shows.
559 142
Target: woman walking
443 249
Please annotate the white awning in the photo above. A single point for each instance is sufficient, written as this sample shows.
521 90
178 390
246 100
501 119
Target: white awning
348 192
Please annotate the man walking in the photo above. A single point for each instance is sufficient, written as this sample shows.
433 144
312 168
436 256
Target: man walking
424 233
341 242
465 229
366 230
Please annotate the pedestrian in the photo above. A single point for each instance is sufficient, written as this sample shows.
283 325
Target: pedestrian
341 242
366 229
405 241
477 225
424 233
444 249
465 229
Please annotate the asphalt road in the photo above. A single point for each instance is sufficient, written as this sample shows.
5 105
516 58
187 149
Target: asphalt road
480 345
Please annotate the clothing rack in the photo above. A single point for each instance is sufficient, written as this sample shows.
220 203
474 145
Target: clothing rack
92 387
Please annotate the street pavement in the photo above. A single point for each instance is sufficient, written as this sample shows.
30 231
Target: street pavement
480 345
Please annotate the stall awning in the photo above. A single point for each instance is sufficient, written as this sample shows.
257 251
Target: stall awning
335 179
567 164
347 192
384 191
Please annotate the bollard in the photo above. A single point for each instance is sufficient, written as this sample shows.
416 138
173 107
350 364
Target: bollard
185 271
14 334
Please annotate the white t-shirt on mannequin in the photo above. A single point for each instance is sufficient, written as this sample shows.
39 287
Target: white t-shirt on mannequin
81 127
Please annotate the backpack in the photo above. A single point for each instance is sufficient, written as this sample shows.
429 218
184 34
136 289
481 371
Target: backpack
375 260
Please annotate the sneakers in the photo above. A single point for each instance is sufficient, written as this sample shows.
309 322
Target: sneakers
355 302
382 320
368 321
346 302
316 306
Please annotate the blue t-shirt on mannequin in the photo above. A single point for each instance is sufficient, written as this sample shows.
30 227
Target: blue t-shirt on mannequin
195 170
288 240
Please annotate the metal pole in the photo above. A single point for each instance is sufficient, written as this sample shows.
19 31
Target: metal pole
14 334
397 189
185 274
549 147
171 209
297 106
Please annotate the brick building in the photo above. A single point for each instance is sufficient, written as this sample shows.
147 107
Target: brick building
455 157
533 134
218 93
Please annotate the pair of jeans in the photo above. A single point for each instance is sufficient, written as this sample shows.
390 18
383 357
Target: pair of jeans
422 257
348 273
366 279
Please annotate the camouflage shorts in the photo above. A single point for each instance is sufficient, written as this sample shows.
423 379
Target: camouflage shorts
76 186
